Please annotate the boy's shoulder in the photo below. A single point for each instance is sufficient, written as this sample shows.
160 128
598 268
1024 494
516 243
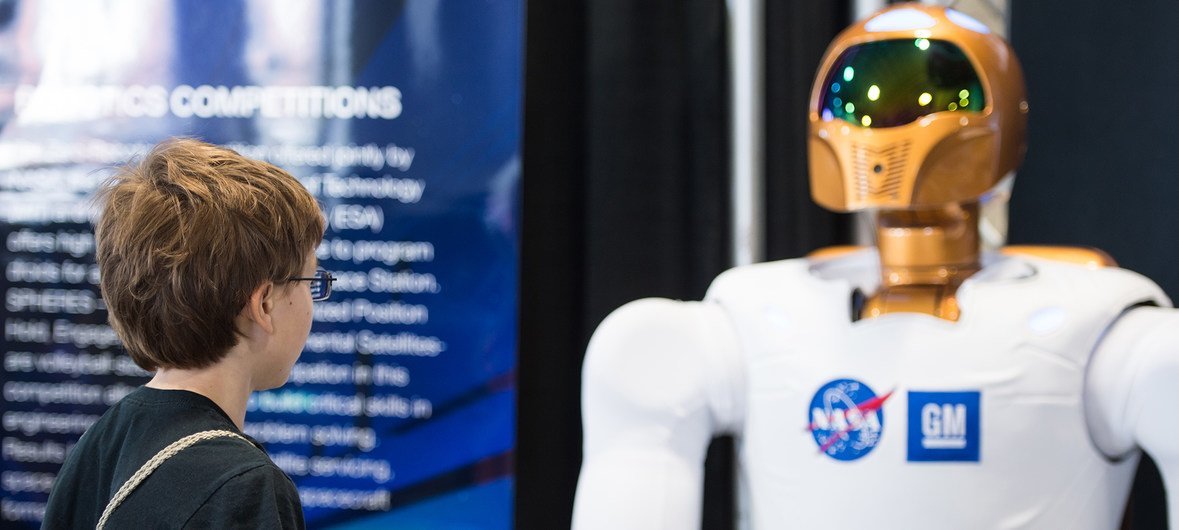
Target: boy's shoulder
133 431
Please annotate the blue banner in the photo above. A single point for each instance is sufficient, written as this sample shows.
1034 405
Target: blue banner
402 118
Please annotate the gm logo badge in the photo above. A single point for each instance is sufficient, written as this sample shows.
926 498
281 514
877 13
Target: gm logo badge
944 426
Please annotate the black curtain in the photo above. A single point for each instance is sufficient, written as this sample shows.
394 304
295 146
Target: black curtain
797 34
1102 152
552 287
626 195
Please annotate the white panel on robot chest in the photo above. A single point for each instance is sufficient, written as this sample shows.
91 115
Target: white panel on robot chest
909 421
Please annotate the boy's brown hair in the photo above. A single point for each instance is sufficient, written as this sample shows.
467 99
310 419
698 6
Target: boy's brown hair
184 236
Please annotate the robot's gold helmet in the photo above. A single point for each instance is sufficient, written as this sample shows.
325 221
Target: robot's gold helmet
916 106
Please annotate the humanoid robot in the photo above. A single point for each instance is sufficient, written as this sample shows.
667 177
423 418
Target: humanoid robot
920 383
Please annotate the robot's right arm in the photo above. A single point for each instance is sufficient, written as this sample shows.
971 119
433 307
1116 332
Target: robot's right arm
660 379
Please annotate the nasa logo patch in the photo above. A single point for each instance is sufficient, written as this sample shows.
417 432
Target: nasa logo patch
944 426
846 419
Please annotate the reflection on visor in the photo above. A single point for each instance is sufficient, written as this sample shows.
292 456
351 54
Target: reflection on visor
893 82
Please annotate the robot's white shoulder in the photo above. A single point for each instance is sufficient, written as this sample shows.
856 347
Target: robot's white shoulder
816 292
1103 275
660 379
661 359
792 278
1093 284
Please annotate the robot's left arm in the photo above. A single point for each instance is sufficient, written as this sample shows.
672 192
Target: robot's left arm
1132 390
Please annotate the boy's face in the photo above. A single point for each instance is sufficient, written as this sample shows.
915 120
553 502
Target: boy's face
292 323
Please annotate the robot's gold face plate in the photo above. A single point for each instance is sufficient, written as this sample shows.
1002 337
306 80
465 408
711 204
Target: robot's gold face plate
937 159
916 114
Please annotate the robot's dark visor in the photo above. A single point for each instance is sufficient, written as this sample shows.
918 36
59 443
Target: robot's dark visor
894 82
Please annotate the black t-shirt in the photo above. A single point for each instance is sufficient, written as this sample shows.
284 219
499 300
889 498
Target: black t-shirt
217 483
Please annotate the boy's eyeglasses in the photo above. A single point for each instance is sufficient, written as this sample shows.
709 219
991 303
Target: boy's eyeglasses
321 284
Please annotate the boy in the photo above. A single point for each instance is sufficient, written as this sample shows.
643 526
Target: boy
206 259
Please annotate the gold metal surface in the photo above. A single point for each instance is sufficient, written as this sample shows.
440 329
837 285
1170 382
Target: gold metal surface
939 158
935 300
925 255
924 178
833 251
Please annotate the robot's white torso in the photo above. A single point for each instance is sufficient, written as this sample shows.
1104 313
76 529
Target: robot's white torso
902 421
980 422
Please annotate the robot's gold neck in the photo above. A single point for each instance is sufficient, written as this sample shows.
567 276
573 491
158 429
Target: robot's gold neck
924 256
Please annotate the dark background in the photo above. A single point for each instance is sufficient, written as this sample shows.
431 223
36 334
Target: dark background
625 190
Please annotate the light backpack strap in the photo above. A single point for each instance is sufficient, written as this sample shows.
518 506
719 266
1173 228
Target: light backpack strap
153 463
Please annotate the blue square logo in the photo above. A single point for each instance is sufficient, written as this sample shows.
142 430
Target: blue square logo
944 426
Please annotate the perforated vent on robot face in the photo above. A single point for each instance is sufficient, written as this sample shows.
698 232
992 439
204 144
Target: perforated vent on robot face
893 82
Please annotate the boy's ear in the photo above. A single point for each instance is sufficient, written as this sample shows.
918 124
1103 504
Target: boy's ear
260 308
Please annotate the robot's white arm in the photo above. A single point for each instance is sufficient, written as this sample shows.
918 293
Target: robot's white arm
660 379
1133 393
